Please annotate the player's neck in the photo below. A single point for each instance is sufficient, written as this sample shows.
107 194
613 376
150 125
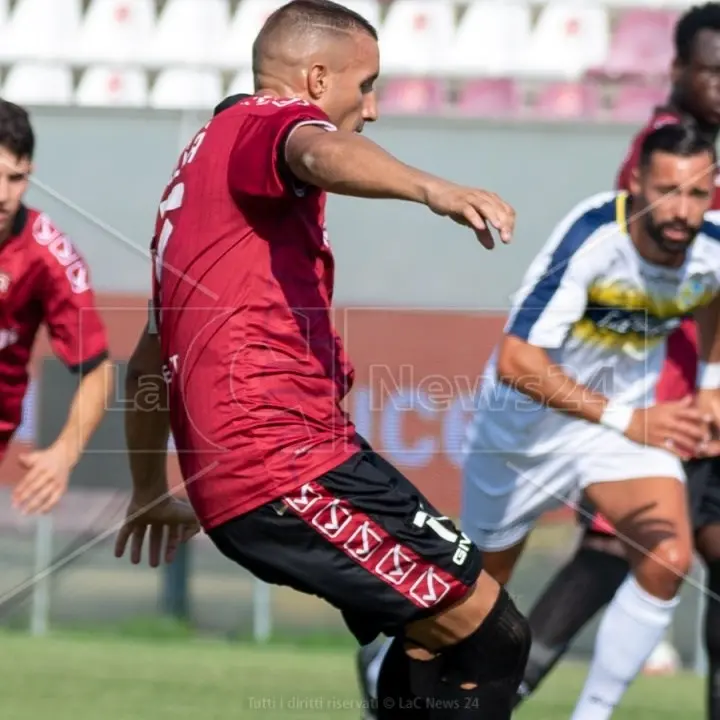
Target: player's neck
678 105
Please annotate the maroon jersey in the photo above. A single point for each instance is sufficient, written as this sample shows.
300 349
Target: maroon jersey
43 279
243 284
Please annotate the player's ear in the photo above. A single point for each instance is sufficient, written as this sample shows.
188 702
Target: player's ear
635 181
317 81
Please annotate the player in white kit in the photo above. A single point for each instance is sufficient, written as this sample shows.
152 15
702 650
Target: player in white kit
567 402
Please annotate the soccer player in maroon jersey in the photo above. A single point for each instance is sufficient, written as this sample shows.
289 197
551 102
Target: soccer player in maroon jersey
273 467
591 577
43 280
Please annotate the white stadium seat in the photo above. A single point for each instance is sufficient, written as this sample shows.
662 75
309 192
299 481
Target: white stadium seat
416 36
104 86
491 39
40 30
115 31
189 32
249 17
242 83
569 39
38 84
182 89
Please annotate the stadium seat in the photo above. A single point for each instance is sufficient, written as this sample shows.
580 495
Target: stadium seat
39 30
569 38
190 33
642 44
416 37
566 101
413 95
183 89
39 84
490 98
103 86
116 31
634 103
236 51
241 83
490 39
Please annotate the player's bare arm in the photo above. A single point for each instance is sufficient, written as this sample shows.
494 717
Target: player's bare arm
529 369
48 471
346 163
152 512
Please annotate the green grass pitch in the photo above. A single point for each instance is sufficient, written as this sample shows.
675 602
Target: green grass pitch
88 678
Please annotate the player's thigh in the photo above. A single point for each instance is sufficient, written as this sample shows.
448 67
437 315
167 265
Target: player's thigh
363 539
505 493
703 483
649 511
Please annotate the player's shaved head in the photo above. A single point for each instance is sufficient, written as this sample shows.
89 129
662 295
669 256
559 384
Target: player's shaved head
322 52
302 28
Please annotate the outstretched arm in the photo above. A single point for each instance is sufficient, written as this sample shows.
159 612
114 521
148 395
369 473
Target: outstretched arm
349 164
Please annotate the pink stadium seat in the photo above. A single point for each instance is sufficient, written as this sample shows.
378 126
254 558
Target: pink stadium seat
567 101
496 98
413 95
635 103
642 44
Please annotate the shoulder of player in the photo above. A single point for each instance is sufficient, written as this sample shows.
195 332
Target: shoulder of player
710 228
52 247
589 218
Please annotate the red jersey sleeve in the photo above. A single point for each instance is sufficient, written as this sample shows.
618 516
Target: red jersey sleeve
257 162
633 156
77 333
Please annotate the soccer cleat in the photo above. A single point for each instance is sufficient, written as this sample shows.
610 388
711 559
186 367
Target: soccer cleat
364 657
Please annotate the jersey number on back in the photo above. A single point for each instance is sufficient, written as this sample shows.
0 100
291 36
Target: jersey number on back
174 196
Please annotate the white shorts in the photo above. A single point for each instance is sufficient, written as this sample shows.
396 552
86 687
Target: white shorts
506 491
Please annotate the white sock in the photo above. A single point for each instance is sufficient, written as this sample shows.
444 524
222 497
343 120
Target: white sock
373 668
633 624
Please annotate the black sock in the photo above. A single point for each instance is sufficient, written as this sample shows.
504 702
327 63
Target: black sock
395 689
583 587
712 640
494 658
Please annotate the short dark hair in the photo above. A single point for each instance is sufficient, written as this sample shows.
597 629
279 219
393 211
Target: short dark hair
304 15
16 133
681 139
696 19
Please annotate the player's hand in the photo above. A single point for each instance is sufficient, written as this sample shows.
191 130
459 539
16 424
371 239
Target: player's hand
473 208
679 427
47 473
708 404
169 521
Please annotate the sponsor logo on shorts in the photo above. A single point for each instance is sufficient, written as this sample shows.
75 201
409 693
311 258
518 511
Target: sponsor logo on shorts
429 588
305 500
363 543
332 519
395 566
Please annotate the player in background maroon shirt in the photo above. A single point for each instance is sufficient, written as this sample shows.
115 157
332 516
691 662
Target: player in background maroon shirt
591 577
43 280
256 373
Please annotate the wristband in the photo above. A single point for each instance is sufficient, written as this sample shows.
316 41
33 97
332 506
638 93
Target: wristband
617 416
708 376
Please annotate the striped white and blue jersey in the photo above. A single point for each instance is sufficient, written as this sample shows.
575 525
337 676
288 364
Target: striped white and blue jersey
601 311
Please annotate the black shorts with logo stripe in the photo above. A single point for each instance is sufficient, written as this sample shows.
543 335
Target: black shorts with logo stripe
364 539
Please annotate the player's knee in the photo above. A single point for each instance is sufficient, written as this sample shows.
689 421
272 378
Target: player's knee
495 651
663 569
